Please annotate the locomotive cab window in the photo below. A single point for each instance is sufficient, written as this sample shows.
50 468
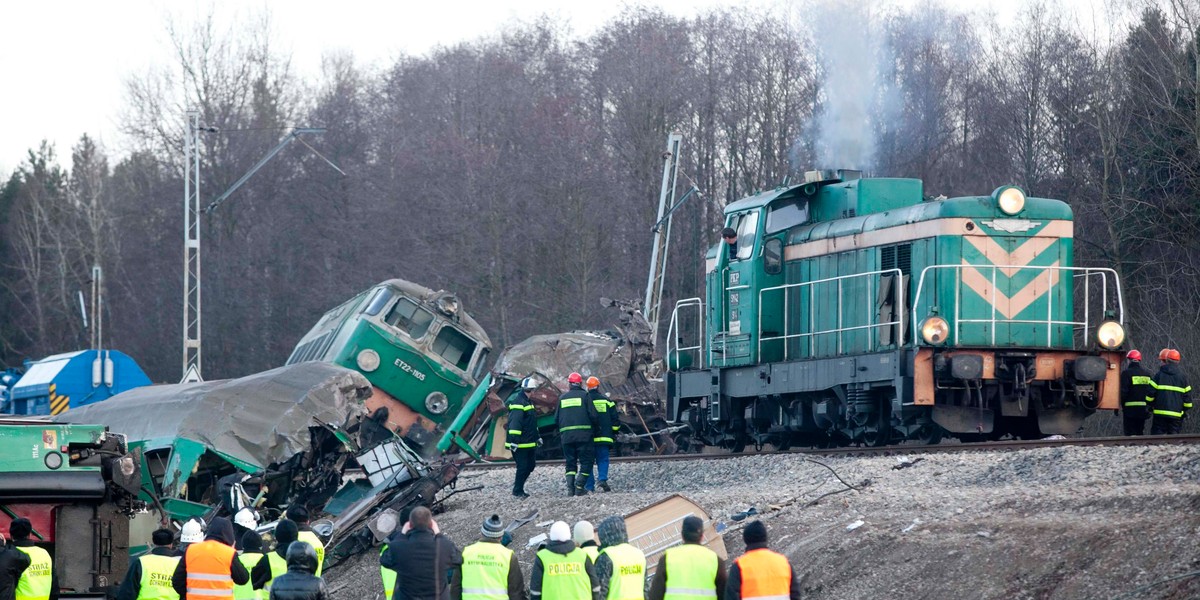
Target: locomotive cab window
480 364
746 225
773 256
378 301
785 214
454 346
409 318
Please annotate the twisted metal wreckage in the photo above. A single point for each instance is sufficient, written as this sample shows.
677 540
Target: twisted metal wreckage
301 435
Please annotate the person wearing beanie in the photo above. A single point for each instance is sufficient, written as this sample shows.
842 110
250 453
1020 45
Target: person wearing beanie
1135 388
584 536
299 582
212 564
274 563
422 559
299 515
489 569
760 569
251 552
621 567
149 575
561 571
690 566
40 579
13 563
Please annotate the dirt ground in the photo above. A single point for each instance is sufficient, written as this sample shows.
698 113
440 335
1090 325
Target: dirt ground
1060 523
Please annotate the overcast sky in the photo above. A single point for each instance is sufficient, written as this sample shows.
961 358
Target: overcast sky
63 63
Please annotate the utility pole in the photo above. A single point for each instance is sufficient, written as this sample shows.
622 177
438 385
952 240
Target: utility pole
651 308
191 248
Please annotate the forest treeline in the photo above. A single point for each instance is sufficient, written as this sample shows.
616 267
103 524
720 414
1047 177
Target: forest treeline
521 170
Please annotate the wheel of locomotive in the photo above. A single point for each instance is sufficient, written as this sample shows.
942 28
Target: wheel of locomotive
930 434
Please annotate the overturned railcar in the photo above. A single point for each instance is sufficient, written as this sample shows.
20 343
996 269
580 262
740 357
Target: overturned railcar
859 311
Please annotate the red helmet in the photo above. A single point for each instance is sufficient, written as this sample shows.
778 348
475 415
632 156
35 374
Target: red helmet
1134 355
1172 355
593 383
575 378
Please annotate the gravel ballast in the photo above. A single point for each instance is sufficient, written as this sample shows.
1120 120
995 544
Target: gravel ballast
1067 522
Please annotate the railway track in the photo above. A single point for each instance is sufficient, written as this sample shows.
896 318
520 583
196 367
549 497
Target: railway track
906 449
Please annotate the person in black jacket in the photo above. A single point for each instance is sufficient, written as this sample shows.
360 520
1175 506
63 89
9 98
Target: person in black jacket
13 563
20 529
261 575
523 437
421 559
299 583
1172 395
576 420
1135 388
606 431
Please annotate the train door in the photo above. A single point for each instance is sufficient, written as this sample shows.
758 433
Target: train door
734 342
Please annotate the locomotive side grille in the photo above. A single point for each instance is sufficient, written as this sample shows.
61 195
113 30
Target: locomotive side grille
312 349
896 257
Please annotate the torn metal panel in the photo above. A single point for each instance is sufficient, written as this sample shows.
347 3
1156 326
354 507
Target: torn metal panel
261 419
660 526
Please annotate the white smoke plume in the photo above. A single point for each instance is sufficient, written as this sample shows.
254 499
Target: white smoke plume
847 43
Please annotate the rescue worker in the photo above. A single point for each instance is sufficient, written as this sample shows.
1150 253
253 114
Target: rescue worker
621 568
561 571
576 421
299 582
489 570
192 532
1171 396
421 558
245 520
210 569
274 563
1135 388
149 575
606 431
760 572
40 580
584 536
523 437
689 571
299 515
251 552
386 575
13 563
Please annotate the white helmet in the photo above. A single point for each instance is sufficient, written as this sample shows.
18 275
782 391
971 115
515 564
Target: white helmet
192 532
529 383
246 518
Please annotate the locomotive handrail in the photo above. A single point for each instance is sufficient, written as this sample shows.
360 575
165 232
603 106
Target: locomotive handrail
811 334
1086 273
671 328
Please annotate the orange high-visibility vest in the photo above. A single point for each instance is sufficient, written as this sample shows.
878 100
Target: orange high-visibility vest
766 575
208 564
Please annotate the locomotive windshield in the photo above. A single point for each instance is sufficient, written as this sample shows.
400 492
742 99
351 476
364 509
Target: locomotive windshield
786 214
746 225
454 346
409 318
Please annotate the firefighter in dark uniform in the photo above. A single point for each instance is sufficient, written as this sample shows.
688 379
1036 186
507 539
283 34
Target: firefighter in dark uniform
523 438
1135 388
607 430
1171 396
576 421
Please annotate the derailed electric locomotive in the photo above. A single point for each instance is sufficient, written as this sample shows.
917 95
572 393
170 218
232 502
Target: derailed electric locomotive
859 311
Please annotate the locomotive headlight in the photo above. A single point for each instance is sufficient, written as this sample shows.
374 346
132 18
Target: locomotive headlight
437 403
53 460
935 330
1010 199
368 360
1110 335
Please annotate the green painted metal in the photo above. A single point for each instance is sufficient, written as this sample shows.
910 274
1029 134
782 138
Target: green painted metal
451 436
26 445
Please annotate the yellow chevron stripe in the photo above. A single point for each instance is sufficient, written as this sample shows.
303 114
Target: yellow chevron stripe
1009 307
59 404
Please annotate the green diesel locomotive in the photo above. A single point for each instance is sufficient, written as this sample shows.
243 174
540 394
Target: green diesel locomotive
423 354
857 310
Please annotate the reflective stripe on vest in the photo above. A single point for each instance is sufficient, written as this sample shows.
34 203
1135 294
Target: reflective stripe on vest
766 575
246 591
691 572
564 577
156 577
388 576
570 402
1140 380
1169 413
35 582
485 571
278 566
628 573
208 564
1135 404
314 541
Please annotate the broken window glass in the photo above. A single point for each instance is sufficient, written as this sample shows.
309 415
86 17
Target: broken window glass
409 318
454 346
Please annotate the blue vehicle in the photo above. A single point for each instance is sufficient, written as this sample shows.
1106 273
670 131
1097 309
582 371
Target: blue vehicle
54 384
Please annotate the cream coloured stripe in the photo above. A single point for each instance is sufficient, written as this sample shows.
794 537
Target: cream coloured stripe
974 278
912 231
